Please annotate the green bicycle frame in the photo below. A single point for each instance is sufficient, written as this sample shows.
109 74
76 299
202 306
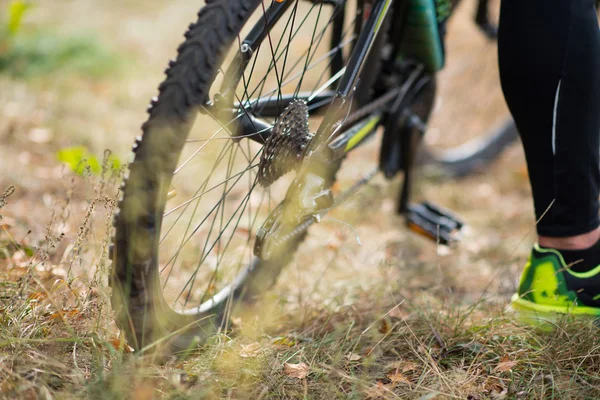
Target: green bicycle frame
253 126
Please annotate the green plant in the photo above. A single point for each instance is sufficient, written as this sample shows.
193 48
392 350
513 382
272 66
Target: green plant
41 50
81 161
15 12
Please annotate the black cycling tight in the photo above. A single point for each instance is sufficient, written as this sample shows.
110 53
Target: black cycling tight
549 54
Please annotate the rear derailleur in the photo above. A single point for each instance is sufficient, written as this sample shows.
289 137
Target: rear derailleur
309 196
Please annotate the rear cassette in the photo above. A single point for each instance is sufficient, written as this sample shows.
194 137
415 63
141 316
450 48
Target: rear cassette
285 147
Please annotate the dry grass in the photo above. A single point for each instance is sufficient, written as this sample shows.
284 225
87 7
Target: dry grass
393 318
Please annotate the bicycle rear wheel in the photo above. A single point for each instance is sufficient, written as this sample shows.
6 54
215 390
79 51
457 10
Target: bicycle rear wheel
192 204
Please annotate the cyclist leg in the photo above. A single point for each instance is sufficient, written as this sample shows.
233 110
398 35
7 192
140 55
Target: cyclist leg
549 54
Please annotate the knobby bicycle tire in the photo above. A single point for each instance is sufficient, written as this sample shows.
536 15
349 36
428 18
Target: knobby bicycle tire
141 311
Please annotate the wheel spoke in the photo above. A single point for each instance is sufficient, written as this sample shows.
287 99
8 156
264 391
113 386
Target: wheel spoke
208 235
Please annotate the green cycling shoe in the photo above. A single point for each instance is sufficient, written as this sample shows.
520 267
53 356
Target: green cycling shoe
550 289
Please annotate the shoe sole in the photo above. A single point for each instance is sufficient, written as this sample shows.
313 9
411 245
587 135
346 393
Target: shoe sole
547 316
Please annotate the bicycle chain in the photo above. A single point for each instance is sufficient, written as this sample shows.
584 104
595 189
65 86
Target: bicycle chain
371 107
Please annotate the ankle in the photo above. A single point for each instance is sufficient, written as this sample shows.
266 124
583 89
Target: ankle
578 242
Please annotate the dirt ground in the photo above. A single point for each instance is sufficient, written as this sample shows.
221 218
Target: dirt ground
456 297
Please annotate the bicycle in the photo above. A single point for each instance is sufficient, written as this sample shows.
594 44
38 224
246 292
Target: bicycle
228 242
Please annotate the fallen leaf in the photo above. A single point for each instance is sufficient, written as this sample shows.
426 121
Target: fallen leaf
118 344
299 371
384 326
402 366
353 357
397 377
505 364
250 350
66 313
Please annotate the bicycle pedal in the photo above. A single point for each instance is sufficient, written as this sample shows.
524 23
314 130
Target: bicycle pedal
433 222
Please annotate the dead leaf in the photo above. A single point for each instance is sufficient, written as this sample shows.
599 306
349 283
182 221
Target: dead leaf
353 357
397 377
402 366
505 364
64 314
384 326
299 371
118 344
250 350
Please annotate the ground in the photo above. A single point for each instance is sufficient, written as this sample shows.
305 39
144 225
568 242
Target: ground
393 317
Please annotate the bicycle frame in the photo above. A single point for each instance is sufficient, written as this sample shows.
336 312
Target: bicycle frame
251 124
